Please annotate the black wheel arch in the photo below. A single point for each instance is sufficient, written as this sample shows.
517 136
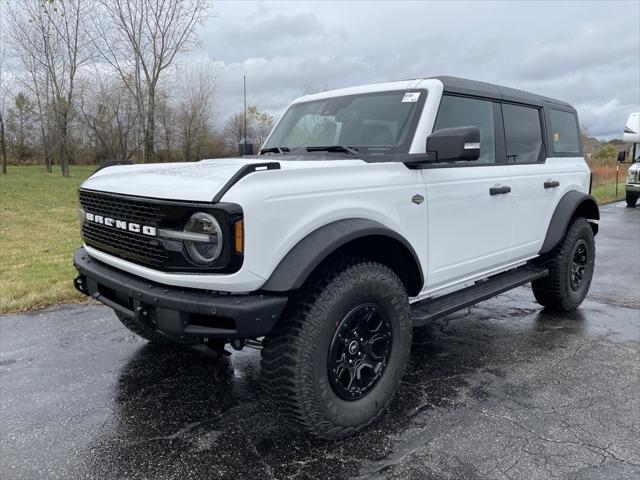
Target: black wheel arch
573 204
358 237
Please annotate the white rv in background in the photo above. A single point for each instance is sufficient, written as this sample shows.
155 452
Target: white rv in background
632 135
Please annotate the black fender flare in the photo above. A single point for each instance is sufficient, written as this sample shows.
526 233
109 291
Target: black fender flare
308 253
572 204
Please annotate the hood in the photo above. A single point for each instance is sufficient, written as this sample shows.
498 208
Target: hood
189 181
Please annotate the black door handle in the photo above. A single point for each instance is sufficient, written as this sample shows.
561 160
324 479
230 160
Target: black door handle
551 184
499 190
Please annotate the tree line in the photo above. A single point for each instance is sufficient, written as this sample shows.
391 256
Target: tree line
87 81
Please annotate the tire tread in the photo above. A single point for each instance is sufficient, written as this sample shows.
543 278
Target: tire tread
552 291
284 346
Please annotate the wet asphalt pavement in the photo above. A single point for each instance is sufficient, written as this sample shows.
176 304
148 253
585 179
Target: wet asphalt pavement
502 390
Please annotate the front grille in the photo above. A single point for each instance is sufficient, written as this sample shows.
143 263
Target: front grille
155 252
126 244
129 209
123 243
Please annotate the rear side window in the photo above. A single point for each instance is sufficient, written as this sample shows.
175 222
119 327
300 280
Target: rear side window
523 133
468 112
564 132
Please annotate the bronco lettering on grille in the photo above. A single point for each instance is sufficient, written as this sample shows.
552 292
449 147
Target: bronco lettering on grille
120 224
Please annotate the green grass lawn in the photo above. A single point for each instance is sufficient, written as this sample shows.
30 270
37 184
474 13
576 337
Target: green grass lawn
39 230
609 194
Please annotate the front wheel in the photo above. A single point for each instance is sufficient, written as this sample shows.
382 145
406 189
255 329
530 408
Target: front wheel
570 267
335 358
631 198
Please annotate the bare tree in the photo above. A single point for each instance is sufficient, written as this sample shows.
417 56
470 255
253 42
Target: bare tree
166 115
37 83
259 125
110 112
140 39
19 122
233 132
262 125
3 142
51 36
3 96
195 108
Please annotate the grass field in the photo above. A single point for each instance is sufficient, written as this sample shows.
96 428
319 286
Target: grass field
607 193
39 230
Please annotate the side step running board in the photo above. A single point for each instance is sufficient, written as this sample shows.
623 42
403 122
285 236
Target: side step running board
430 309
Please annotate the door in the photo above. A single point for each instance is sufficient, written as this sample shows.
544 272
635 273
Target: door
537 182
469 204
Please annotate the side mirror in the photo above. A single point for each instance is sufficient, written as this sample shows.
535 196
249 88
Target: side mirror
459 143
622 156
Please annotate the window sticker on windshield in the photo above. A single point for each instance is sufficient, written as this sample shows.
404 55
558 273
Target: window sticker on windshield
410 97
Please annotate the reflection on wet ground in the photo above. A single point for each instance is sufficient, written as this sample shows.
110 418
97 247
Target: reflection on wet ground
502 390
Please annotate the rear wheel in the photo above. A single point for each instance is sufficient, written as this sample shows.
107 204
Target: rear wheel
143 331
335 358
631 198
570 267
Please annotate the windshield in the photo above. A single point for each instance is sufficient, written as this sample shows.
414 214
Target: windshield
371 123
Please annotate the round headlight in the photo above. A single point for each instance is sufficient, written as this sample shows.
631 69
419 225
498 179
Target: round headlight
205 244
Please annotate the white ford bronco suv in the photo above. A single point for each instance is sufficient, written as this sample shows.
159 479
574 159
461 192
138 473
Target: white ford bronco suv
369 211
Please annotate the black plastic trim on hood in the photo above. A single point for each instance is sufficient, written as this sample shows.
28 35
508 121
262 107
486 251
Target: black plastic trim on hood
243 172
112 163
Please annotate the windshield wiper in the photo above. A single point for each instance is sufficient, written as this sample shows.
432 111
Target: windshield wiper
281 150
334 148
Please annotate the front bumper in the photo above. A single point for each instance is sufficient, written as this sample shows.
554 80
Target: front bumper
182 314
632 188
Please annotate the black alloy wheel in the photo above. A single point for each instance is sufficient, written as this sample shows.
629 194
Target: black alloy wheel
336 356
571 264
359 351
578 265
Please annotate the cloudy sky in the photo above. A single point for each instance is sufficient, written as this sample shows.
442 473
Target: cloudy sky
587 53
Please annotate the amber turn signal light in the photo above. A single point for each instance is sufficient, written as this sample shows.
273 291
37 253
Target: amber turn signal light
239 236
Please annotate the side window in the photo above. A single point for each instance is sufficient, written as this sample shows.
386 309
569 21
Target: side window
564 132
523 133
465 112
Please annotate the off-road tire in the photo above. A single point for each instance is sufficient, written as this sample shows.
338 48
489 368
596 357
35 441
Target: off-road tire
555 291
632 199
295 354
148 333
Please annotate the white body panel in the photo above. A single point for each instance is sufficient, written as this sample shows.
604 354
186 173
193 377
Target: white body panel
468 228
460 233
295 202
533 205
193 181
279 213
